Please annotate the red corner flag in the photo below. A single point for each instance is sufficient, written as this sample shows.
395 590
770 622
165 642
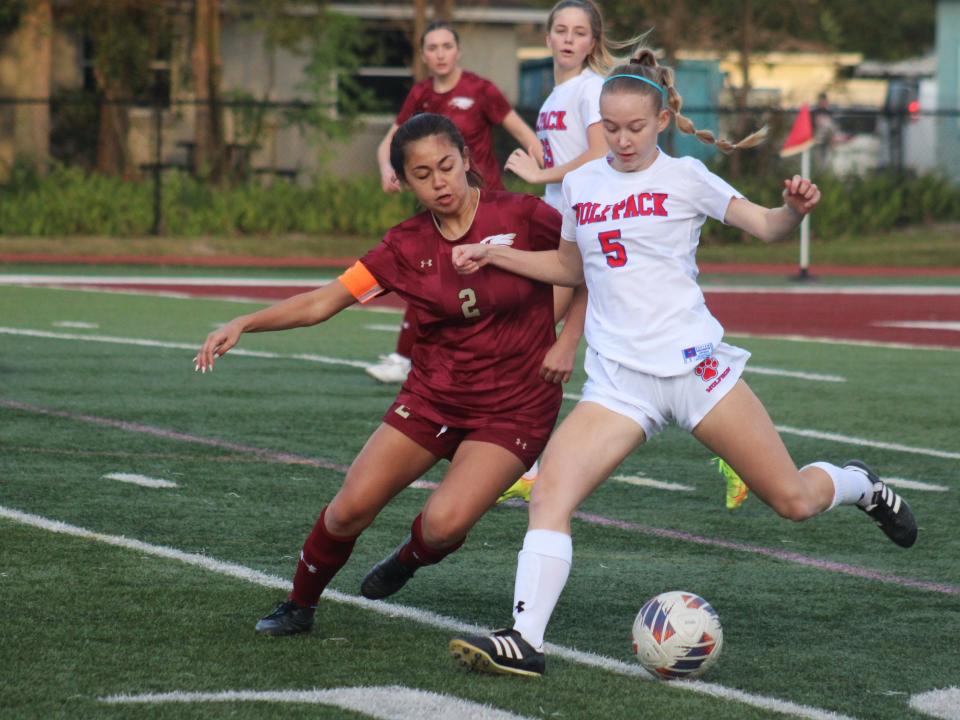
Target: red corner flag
801 134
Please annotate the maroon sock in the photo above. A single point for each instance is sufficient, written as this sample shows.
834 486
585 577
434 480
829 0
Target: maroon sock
322 557
416 553
409 329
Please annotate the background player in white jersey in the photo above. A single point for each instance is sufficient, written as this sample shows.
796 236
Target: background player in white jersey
569 131
631 225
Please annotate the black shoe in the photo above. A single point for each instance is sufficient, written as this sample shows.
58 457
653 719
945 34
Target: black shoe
505 652
387 576
888 510
288 619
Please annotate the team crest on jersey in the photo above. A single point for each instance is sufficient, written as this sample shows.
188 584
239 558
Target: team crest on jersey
505 239
462 103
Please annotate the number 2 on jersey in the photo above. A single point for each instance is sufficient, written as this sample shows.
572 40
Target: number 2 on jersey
616 253
469 298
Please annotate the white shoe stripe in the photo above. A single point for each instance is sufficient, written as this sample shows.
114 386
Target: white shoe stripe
516 648
502 648
896 504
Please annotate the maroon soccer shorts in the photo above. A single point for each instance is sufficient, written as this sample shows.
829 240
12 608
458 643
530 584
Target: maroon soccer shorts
524 439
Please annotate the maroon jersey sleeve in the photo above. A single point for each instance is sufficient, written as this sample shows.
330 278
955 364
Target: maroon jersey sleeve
543 226
385 263
495 106
409 107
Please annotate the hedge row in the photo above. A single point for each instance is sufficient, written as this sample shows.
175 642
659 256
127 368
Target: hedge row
69 201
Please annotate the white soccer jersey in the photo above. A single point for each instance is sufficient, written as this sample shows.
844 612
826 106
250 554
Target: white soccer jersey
638 234
572 107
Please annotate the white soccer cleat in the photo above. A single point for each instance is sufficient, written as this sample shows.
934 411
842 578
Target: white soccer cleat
393 368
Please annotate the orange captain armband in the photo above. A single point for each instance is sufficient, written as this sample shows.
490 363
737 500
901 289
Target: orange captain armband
360 283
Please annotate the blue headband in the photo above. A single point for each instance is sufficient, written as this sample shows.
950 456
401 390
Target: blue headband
648 81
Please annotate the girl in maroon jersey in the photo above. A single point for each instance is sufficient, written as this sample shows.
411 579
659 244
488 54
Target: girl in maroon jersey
475 105
475 394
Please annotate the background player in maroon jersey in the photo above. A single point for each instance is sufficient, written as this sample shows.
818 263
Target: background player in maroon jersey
475 105
475 394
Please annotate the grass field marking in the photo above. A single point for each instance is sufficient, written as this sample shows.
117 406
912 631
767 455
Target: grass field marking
393 702
140 342
832 290
141 480
943 704
921 325
841 341
418 615
76 325
383 328
600 520
847 439
784 555
187 280
815 377
916 485
192 347
649 482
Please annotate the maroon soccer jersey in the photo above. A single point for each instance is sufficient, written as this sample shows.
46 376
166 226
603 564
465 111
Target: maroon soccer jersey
475 105
482 336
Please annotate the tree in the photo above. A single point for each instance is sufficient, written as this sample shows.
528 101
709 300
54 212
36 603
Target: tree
209 149
125 37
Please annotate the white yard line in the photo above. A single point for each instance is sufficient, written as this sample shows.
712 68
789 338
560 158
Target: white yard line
916 485
641 481
425 617
394 702
141 480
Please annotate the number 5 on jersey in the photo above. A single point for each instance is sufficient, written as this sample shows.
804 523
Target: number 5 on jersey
616 253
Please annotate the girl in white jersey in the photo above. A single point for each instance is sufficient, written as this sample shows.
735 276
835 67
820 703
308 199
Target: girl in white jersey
570 134
631 224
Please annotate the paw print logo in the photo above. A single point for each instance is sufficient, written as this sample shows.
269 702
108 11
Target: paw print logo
707 370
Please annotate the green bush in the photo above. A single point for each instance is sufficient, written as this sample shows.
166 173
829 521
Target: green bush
70 201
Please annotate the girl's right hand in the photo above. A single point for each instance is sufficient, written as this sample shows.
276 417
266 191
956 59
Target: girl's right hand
216 345
467 259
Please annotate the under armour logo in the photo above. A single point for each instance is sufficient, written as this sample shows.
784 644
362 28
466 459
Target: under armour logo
519 607
426 263
521 444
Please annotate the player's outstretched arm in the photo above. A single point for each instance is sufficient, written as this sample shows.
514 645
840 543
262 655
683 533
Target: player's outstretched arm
309 308
556 267
800 196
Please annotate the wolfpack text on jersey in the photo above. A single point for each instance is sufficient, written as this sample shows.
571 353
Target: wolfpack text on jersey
562 124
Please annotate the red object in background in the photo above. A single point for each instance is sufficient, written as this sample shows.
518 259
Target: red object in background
801 134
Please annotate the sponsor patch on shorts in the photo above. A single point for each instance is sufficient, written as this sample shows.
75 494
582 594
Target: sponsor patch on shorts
697 353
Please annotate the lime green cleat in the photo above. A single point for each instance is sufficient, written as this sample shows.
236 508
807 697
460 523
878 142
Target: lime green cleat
520 489
737 490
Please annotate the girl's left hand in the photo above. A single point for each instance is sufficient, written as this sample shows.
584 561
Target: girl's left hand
800 195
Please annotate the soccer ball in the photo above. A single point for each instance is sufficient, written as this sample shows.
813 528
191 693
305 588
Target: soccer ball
677 634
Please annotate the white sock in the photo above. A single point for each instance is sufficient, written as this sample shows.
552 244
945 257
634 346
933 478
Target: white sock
850 487
543 566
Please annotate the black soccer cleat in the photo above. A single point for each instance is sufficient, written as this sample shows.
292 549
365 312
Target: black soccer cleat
387 576
888 510
505 652
288 619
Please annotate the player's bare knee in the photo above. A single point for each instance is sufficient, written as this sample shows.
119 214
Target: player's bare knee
794 506
346 518
440 531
